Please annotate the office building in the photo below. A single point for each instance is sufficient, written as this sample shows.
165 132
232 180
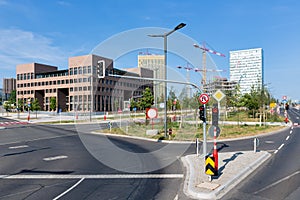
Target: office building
247 69
9 84
78 87
156 63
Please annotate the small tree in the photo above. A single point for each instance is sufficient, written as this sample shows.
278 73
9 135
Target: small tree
7 106
53 103
13 97
35 106
147 99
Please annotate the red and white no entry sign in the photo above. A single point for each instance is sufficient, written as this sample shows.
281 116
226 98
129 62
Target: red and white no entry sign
204 98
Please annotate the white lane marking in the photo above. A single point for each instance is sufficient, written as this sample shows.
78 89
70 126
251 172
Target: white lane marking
275 151
55 158
269 142
291 132
92 176
287 137
292 127
280 146
176 197
68 190
18 147
277 182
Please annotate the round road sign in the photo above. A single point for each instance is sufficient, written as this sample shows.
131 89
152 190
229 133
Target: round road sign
152 113
212 129
204 98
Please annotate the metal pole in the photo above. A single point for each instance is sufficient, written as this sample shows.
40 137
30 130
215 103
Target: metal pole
215 152
166 89
204 133
91 101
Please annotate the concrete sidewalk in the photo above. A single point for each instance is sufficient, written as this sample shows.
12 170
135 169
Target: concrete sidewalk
233 168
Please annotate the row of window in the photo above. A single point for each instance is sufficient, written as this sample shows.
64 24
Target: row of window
81 70
25 76
79 80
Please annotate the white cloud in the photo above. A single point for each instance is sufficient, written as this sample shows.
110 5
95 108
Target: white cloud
63 3
19 46
3 2
23 46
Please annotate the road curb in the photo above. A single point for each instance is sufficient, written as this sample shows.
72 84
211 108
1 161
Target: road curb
1 128
142 138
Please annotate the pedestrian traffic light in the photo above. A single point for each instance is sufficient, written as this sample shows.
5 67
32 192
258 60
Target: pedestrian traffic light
202 113
215 115
101 69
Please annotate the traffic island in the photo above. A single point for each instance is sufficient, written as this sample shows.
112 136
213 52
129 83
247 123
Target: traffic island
233 168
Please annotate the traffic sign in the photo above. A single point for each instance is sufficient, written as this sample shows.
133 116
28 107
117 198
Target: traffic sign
284 101
152 113
203 98
219 95
211 131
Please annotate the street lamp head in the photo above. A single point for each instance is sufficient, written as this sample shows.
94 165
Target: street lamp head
196 45
155 35
179 26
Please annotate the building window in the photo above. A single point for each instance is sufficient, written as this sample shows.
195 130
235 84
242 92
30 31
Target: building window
79 70
71 71
75 70
89 69
84 69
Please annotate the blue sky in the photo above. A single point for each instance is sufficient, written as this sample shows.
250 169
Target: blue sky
51 31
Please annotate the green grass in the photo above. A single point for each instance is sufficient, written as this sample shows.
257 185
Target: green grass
190 132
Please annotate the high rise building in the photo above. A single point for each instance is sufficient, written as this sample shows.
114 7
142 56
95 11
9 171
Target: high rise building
157 64
9 84
247 68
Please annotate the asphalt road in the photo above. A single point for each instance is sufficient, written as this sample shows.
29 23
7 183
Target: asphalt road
279 177
66 162
49 162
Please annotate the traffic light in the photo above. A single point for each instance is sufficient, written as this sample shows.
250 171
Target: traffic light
287 106
101 69
202 113
215 115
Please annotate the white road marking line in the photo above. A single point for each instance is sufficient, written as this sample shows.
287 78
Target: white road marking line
55 158
291 132
287 137
176 197
275 151
280 146
269 142
277 182
292 127
68 190
18 147
92 176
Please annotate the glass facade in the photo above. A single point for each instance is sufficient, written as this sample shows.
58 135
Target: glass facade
246 68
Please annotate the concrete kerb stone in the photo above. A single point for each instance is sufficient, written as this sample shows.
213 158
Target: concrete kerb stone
193 177
142 138
1 127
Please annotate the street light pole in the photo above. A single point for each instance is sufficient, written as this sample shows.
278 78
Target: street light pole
165 36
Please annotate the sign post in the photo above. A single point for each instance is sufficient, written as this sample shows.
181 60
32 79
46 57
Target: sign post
28 104
120 113
204 99
152 113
